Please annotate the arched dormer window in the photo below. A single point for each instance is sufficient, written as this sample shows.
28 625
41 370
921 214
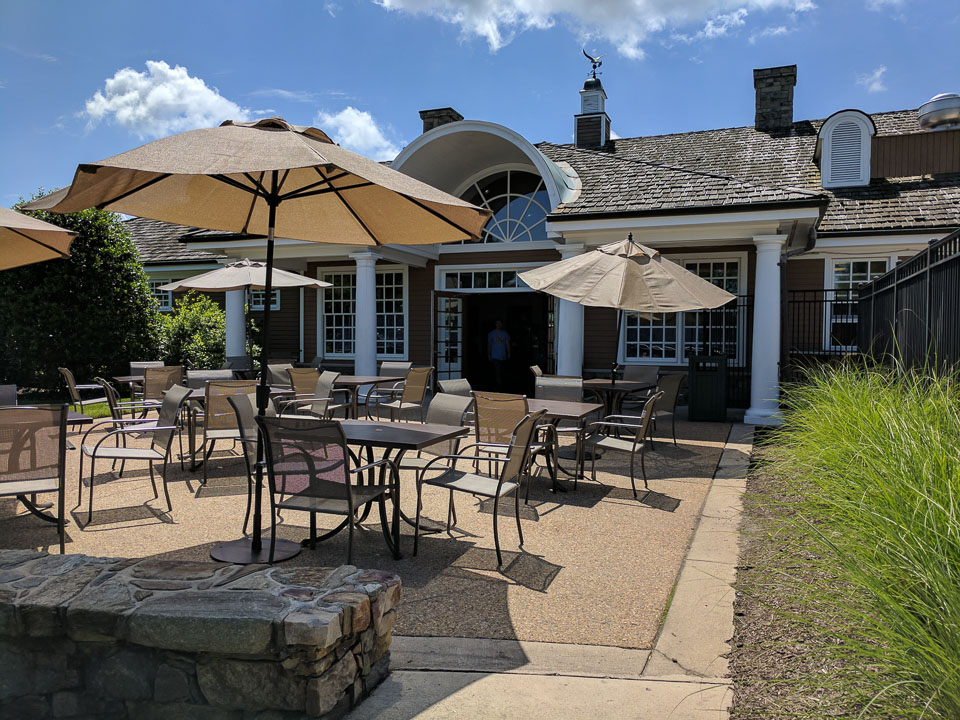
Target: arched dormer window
844 148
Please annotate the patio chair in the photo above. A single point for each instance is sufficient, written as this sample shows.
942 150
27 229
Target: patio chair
322 401
639 426
456 386
245 409
156 382
118 407
537 372
199 378
277 374
496 417
303 380
8 395
138 367
638 373
513 464
381 393
218 417
33 451
669 387
411 397
161 432
74 390
308 465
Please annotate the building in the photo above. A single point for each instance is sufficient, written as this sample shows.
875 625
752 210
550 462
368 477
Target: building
789 215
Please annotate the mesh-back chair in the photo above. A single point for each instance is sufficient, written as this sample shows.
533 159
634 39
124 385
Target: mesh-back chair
382 393
303 380
456 386
161 432
245 409
74 390
512 466
639 373
411 396
277 374
559 387
33 451
324 400
308 465
8 395
496 418
199 378
219 418
137 367
669 388
638 426
537 372
157 380
445 409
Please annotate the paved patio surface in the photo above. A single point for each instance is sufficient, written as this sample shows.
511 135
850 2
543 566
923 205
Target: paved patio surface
597 567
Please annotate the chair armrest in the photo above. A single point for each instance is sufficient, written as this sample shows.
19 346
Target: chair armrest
88 386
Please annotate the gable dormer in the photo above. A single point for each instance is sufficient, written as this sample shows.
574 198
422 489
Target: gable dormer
843 149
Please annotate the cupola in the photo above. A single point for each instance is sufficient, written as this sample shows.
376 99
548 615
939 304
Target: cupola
592 125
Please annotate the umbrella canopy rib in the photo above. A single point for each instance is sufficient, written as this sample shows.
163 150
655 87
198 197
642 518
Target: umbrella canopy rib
134 191
440 216
353 212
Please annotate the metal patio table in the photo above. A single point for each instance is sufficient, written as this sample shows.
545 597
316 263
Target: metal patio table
613 392
355 382
557 410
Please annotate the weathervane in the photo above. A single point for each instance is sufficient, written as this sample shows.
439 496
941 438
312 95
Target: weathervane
595 62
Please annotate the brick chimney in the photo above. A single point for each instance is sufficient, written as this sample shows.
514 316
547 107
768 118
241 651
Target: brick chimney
439 116
774 88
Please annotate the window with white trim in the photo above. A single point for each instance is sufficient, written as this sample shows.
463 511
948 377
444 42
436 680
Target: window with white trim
843 312
495 280
340 308
164 298
671 338
255 299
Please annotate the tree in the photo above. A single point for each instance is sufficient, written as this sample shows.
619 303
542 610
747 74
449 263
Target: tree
195 333
91 312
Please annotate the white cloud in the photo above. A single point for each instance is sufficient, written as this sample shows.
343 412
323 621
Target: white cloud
301 96
357 131
627 24
873 82
881 5
160 101
772 31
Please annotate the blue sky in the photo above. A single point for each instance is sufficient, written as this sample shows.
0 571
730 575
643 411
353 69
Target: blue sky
80 81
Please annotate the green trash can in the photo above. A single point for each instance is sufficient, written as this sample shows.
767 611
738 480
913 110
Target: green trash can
707 388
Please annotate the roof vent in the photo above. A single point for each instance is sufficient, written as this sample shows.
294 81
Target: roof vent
941 112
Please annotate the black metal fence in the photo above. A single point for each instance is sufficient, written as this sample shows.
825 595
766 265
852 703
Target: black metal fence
818 326
912 313
726 331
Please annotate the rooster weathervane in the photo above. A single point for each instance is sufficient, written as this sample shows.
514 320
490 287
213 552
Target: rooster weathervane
595 63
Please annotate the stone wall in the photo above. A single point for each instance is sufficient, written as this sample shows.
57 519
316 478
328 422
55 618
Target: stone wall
113 638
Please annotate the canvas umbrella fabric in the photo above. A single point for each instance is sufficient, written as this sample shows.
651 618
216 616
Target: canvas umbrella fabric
25 240
626 275
243 275
270 178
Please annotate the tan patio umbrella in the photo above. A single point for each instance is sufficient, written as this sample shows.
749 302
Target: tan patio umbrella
269 178
243 275
25 240
626 275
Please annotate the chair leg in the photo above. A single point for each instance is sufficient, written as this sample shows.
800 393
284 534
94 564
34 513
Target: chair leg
350 542
633 457
517 511
416 524
166 490
496 532
246 517
643 468
313 531
60 520
80 481
206 460
673 427
93 465
153 482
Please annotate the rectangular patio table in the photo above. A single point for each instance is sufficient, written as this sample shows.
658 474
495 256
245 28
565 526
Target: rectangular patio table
557 410
395 439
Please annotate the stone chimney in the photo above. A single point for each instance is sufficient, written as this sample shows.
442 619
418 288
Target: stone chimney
774 97
438 117
591 128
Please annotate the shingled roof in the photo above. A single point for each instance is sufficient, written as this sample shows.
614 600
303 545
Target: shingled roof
159 242
734 166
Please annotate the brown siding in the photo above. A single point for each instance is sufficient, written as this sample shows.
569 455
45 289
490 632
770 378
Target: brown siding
284 326
923 153
599 337
420 315
803 274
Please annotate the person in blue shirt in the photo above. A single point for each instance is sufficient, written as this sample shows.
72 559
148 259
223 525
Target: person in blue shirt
498 351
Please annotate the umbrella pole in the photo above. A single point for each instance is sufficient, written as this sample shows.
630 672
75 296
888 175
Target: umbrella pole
614 365
243 551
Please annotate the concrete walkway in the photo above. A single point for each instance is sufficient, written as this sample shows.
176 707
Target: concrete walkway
683 677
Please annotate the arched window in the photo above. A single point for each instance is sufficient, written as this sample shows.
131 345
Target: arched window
519 203
845 149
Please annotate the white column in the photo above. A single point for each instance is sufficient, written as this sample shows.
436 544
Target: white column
569 340
765 366
236 323
365 332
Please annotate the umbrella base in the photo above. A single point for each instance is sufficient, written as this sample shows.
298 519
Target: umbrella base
240 552
571 453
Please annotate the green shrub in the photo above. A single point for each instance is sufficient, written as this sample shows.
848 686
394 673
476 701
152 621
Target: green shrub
91 312
876 456
194 334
